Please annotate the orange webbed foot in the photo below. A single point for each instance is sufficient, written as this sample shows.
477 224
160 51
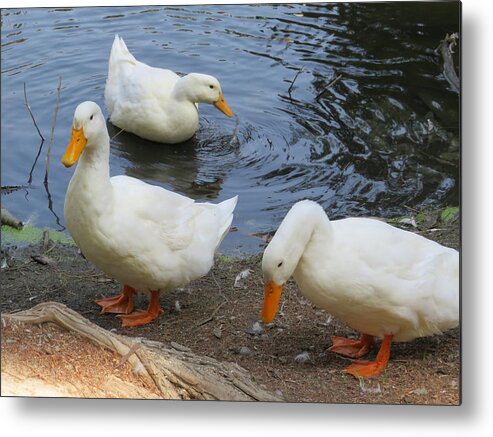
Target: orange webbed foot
352 348
138 318
121 304
371 369
364 369
141 317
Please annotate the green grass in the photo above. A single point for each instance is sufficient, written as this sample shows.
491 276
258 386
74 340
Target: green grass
225 259
450 214
31 235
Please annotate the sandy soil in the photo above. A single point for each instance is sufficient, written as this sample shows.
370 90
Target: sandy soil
46 360
214 317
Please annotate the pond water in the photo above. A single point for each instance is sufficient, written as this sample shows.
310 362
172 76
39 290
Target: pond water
382 139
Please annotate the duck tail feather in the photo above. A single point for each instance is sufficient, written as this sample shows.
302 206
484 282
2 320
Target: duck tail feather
120 52
226 207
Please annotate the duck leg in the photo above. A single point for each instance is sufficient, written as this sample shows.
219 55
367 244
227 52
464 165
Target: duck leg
121 304
369 369
352 348
141 317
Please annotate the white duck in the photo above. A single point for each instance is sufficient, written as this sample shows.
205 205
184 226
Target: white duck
146 237
380 280
154 103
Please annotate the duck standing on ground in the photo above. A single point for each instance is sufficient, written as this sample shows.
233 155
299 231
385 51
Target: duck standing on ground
154 103
147 238
382 281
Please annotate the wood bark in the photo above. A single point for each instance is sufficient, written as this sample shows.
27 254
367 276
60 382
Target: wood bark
446 48
176 372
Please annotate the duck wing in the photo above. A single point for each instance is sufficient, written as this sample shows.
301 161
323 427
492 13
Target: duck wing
170 219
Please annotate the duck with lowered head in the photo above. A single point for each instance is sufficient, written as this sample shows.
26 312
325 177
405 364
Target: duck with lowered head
380 280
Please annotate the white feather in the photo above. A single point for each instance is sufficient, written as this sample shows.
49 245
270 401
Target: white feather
376 278
155 103
142 235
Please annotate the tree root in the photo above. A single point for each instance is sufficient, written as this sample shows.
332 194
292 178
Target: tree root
177 374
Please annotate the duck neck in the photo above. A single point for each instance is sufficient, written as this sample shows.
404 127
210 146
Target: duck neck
92 174
310 225
184 91
305 226
318 237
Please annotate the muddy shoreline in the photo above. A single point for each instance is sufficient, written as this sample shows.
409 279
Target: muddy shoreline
215 316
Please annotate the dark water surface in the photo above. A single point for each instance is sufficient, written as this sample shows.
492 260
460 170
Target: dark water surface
382 139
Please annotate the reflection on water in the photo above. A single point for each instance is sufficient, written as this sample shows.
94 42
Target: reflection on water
194 168
381 138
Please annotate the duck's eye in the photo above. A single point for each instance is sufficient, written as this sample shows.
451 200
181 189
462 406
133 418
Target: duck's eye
91 117
280 264
211 87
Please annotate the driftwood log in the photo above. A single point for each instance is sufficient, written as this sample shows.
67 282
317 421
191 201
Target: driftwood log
175 371
446 49
10 220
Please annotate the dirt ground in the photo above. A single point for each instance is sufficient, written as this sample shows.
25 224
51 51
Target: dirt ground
214 317
35 362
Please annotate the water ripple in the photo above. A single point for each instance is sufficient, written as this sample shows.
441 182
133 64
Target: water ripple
381 138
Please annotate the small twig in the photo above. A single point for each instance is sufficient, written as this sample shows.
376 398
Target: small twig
328 86
234 136
50 249
87 276
291 381
53 129
125 357
118 133
43 260
50 205
281 310
264 236
411 208
27 288
219 287
30 179
267 372
28 106
46 239
211 317
48 154
7 189
294 80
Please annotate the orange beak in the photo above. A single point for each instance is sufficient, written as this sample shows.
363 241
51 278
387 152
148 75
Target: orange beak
272 295
75 147
221 104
